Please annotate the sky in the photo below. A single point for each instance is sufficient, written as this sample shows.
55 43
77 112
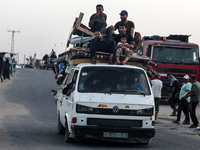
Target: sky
46 24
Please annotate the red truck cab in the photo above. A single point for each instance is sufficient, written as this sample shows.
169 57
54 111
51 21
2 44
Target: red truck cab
172 55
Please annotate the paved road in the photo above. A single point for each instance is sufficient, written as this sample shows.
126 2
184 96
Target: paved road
28 120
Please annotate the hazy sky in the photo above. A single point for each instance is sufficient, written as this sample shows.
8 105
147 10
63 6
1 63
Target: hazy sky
46 24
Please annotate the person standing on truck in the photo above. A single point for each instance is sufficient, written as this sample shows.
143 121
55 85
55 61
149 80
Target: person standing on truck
184 102
130 26
174 84
98 44
98 20
156 88
53 54
195 98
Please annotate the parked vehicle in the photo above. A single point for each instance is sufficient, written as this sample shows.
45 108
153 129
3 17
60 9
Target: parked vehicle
172 55
110 102
28 66
47 62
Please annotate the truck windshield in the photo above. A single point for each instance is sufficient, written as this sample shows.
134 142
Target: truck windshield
176 55
111 80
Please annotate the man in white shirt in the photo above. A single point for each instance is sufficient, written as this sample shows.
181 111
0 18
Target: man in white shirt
156 88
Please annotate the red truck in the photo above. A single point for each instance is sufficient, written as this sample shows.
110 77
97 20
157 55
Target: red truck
172 55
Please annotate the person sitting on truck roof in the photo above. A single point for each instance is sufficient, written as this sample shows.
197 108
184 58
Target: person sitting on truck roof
117 38
138 42
123 49
129 24
98 44
98 20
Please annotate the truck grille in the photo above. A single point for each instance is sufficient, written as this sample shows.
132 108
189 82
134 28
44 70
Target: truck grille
114 122
184 71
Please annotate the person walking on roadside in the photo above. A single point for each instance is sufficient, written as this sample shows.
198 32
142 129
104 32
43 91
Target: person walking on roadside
195 98
174 84
156 88
12 62
6 73
184 101
1 67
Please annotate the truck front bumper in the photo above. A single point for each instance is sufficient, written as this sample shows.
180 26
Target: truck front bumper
98 131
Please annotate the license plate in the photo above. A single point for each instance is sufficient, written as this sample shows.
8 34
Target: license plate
115 135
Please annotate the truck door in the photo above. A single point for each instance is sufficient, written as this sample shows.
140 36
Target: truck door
66 107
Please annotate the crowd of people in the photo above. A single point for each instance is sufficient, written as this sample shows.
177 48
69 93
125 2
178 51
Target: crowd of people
188 97
7 66
125 43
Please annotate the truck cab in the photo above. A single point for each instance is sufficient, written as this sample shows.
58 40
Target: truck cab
172 55
109 102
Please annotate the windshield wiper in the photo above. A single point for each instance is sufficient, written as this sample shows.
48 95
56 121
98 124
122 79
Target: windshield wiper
129 92
142 93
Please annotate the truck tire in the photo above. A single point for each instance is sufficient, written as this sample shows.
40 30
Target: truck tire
67 138
60 129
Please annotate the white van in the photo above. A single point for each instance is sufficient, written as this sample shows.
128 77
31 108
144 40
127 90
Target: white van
110 102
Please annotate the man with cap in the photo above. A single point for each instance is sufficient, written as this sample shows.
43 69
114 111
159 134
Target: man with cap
130 26
156 88
195 98
184 101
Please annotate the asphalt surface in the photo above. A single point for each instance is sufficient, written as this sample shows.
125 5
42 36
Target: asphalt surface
28 120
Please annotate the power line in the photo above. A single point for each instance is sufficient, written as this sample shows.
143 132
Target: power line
12 40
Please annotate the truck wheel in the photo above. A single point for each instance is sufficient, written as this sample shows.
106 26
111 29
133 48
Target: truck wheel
60 128
67 138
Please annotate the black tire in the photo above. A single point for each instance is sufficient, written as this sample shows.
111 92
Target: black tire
60 128
67 138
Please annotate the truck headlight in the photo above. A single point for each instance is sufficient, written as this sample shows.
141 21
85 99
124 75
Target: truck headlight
144 112
84 109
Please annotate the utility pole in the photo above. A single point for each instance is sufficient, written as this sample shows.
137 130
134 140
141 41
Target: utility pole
12 40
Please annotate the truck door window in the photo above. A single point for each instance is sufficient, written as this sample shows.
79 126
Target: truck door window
71 76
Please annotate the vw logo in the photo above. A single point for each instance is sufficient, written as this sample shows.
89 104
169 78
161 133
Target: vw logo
115 109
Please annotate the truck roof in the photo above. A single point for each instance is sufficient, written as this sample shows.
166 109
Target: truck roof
170 42
171 39
106 65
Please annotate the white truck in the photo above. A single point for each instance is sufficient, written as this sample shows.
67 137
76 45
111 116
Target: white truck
109 102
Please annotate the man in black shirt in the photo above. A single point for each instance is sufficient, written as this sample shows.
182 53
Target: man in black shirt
122 30
98 44
175 89
129 43
130 26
